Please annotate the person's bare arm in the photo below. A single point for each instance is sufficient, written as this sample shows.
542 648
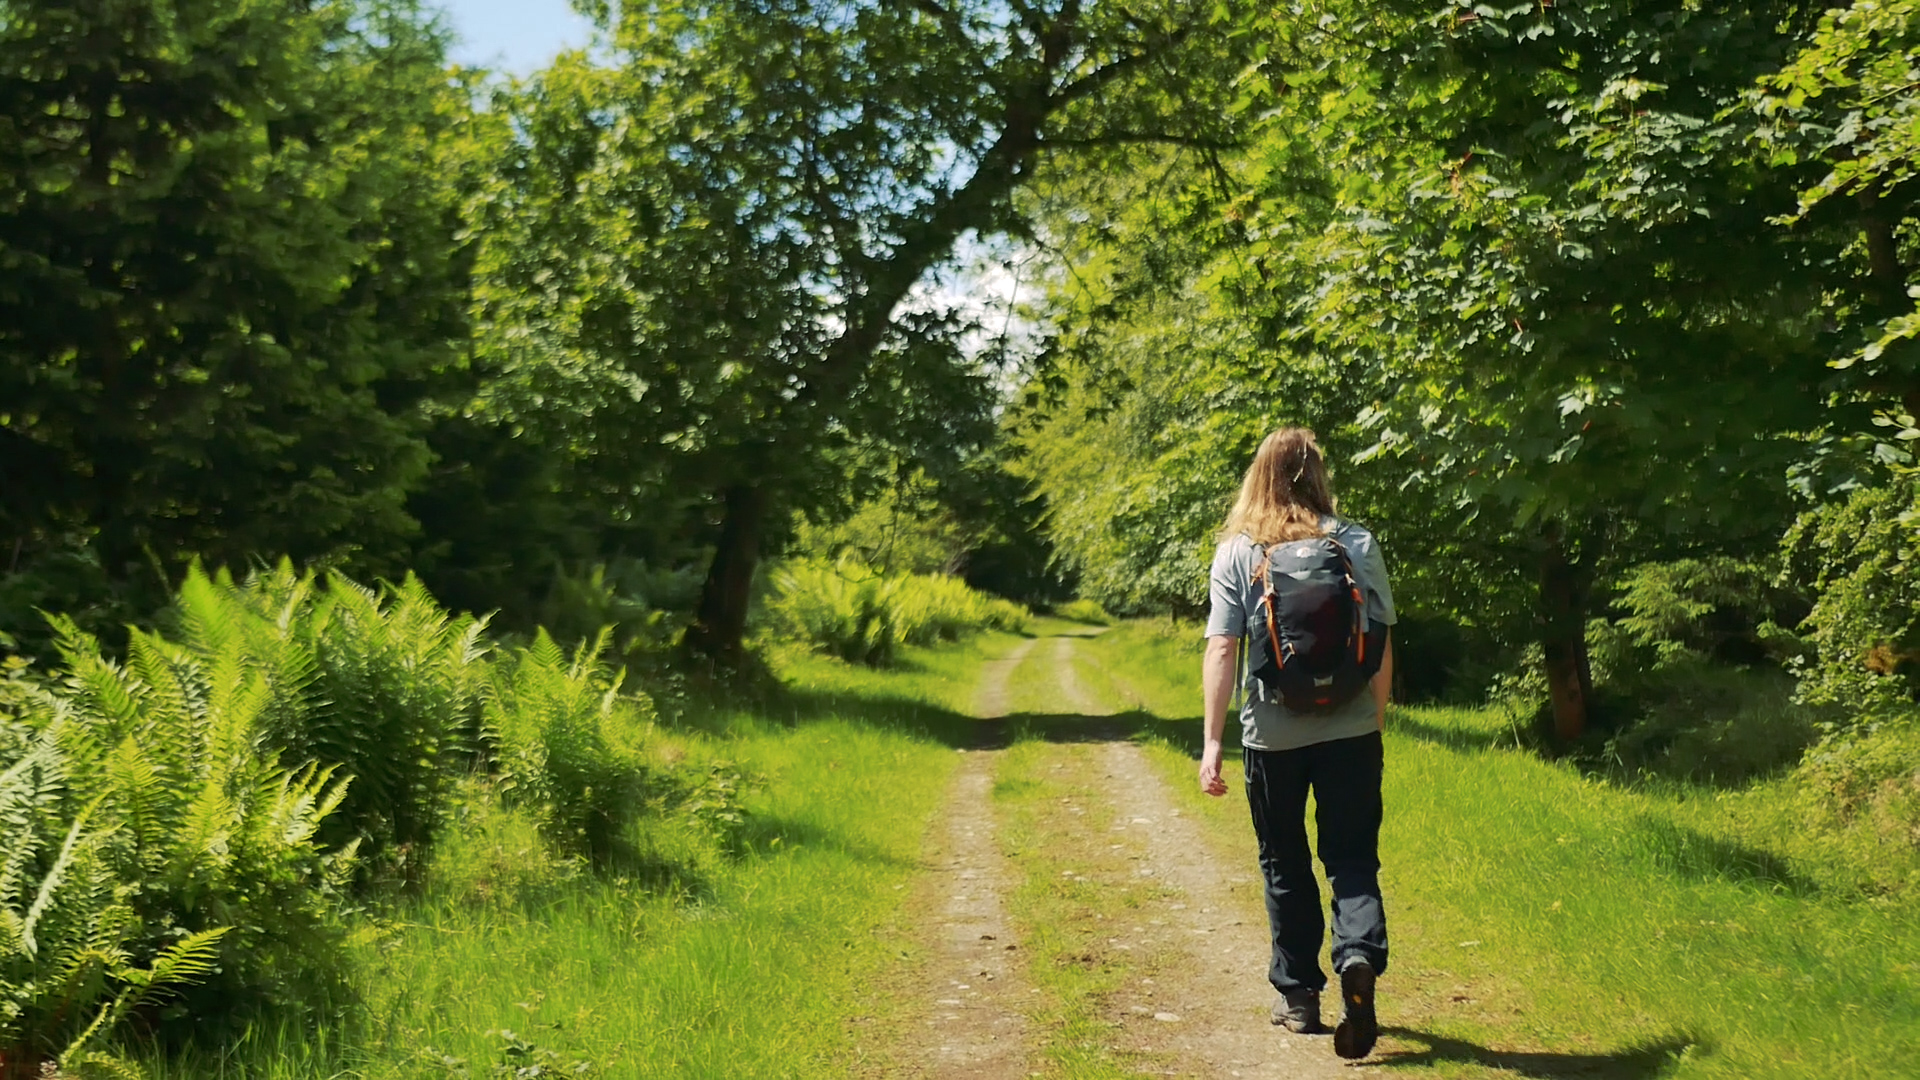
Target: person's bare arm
1383 683
1216 683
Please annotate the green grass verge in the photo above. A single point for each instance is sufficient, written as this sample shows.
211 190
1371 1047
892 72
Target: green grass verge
1546 924
772 960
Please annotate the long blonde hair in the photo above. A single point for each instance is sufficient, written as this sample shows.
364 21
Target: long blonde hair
1285 493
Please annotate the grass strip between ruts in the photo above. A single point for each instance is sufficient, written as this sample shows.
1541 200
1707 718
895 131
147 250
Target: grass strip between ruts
1075 893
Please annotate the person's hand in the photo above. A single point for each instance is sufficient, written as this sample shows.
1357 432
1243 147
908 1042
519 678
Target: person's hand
1210 781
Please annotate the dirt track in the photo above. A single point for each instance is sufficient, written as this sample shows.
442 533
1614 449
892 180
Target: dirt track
1206 1015
975 1027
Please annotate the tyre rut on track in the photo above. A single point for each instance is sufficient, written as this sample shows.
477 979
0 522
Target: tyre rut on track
974 1026
1211 929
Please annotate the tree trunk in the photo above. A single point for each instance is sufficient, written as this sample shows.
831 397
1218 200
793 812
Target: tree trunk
1888 279
1563 637
720 624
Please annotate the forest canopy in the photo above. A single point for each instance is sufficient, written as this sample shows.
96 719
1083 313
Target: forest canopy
407 469
1566 290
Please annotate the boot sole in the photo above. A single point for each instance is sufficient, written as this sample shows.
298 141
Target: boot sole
1359 1029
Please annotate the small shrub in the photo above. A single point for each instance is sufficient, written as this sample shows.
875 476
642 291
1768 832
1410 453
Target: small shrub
714 801
1871 780
1684 717
1710 607
1702 722
838 608
1084 611
1864 630
495 855
847 610
67 932
567 744
200 835
633 601
382 685
935 607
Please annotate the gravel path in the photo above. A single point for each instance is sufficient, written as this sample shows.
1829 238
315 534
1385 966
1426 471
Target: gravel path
1212 919
1215 915
1206 1013
975 1027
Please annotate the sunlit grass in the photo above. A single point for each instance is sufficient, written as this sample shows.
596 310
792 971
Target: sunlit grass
1545 921
705 965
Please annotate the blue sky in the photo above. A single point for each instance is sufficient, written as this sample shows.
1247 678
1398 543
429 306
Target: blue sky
514 36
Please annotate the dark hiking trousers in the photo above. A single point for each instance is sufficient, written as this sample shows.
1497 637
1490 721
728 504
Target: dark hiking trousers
1344 776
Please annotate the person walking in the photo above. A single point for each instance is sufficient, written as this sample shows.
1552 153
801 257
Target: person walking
1307 594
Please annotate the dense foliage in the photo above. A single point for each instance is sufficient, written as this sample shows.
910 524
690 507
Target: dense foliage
190 834
864 615
1566 290
234 289
1604 310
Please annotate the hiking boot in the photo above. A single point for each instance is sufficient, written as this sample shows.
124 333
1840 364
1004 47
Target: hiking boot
1299 1012
1358 1029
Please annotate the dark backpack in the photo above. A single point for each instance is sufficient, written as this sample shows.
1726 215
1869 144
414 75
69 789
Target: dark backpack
1308 639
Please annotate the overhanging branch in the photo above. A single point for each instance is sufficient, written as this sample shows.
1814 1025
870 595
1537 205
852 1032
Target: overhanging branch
1126 138
1099 77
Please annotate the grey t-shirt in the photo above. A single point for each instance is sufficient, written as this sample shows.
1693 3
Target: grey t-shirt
1270 725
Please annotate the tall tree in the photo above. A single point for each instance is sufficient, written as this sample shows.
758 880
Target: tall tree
1525 262
720 237
228 275
1549 250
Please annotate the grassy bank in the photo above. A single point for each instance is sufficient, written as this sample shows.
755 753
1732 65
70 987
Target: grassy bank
763 956
1548 924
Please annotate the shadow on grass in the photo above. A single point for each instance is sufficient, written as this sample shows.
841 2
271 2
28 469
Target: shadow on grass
1446 735
913 716
766 833
665 873
1687 853
1643 1062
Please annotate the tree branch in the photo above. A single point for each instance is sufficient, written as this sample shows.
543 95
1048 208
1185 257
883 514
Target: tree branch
1099 77
1124 138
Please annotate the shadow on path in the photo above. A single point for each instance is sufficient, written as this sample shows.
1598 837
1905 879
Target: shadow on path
1646 1061
961 731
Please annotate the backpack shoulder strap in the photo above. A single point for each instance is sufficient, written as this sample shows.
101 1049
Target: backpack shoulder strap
1262 569
1240 676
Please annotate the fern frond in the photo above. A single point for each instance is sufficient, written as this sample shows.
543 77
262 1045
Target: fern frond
206 612
205 834
173 698
28 791
95 680
12 942
193 958
138 793
301 802
97 1065
50 884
